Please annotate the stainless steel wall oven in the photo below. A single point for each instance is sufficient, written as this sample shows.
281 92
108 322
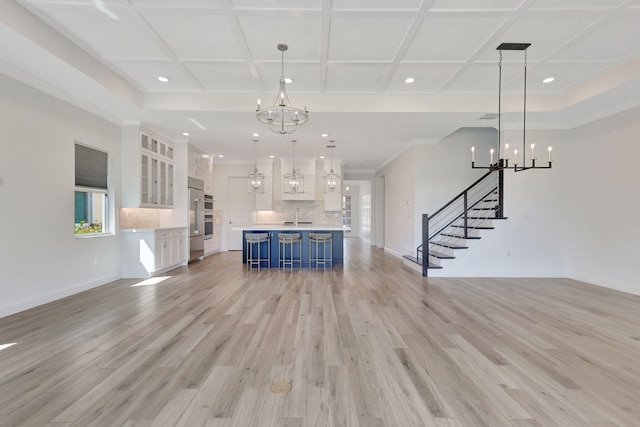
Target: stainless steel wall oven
208 216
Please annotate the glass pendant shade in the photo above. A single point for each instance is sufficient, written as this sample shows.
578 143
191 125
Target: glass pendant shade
330 179
293 183
256 182
255 179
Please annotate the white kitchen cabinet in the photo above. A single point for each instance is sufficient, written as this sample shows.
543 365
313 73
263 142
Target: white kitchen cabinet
208 247
146 253
156 173
217 238
200 165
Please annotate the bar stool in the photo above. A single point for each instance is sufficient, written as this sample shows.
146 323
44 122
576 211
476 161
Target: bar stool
255 240
321 241
288 241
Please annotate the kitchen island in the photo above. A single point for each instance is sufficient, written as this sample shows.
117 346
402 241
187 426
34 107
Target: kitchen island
337 235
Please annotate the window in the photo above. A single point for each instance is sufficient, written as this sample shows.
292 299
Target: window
91 193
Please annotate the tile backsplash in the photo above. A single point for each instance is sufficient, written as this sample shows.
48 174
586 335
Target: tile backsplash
142 218
307 211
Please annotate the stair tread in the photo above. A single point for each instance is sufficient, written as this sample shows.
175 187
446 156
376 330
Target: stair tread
419 261
440 255
448 245
459 236
475 227
487 218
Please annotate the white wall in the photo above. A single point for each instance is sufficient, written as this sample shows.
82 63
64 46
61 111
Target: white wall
354 192
602 202
221 173
365 232
40 258
530 243
575 220
519 246
443 171
399 201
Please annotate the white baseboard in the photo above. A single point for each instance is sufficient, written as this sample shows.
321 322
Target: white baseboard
412 265
392 252
604 282
24 304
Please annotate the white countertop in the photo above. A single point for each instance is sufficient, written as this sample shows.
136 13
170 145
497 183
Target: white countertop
147 230
300 227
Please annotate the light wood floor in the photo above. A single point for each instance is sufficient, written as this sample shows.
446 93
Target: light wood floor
371 344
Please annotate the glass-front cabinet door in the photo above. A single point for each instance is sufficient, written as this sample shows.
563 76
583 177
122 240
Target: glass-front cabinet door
156 173
144 179
170 184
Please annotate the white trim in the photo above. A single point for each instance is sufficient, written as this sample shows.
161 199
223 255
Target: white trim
392 252
617 285
31 302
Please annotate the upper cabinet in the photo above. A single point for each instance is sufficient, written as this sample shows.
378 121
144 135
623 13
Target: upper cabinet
201 167
156 174
305 167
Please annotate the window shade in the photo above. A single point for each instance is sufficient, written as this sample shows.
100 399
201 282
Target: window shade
91 167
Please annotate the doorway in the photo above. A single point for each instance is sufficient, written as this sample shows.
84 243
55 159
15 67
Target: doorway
239 208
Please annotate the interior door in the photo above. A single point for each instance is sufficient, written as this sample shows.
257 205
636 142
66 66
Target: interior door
239 209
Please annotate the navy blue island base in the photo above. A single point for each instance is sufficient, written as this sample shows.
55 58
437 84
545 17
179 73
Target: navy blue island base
337 246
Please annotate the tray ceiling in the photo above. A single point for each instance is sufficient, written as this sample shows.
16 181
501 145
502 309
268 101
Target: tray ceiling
348 60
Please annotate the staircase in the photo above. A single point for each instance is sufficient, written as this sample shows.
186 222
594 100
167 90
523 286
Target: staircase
462 219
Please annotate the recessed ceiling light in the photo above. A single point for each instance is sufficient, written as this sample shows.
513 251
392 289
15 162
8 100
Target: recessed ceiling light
163 79
221 155
186 133
272 156
288 80
548 80
409 80
322 157
324 135
256 134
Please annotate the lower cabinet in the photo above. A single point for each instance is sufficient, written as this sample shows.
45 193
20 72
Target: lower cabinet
215 243
146 253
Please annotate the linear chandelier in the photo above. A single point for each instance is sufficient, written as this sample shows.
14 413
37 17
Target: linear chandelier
330 178
282 117
502 161
255 178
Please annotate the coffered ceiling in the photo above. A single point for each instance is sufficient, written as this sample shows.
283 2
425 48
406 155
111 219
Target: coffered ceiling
348 60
